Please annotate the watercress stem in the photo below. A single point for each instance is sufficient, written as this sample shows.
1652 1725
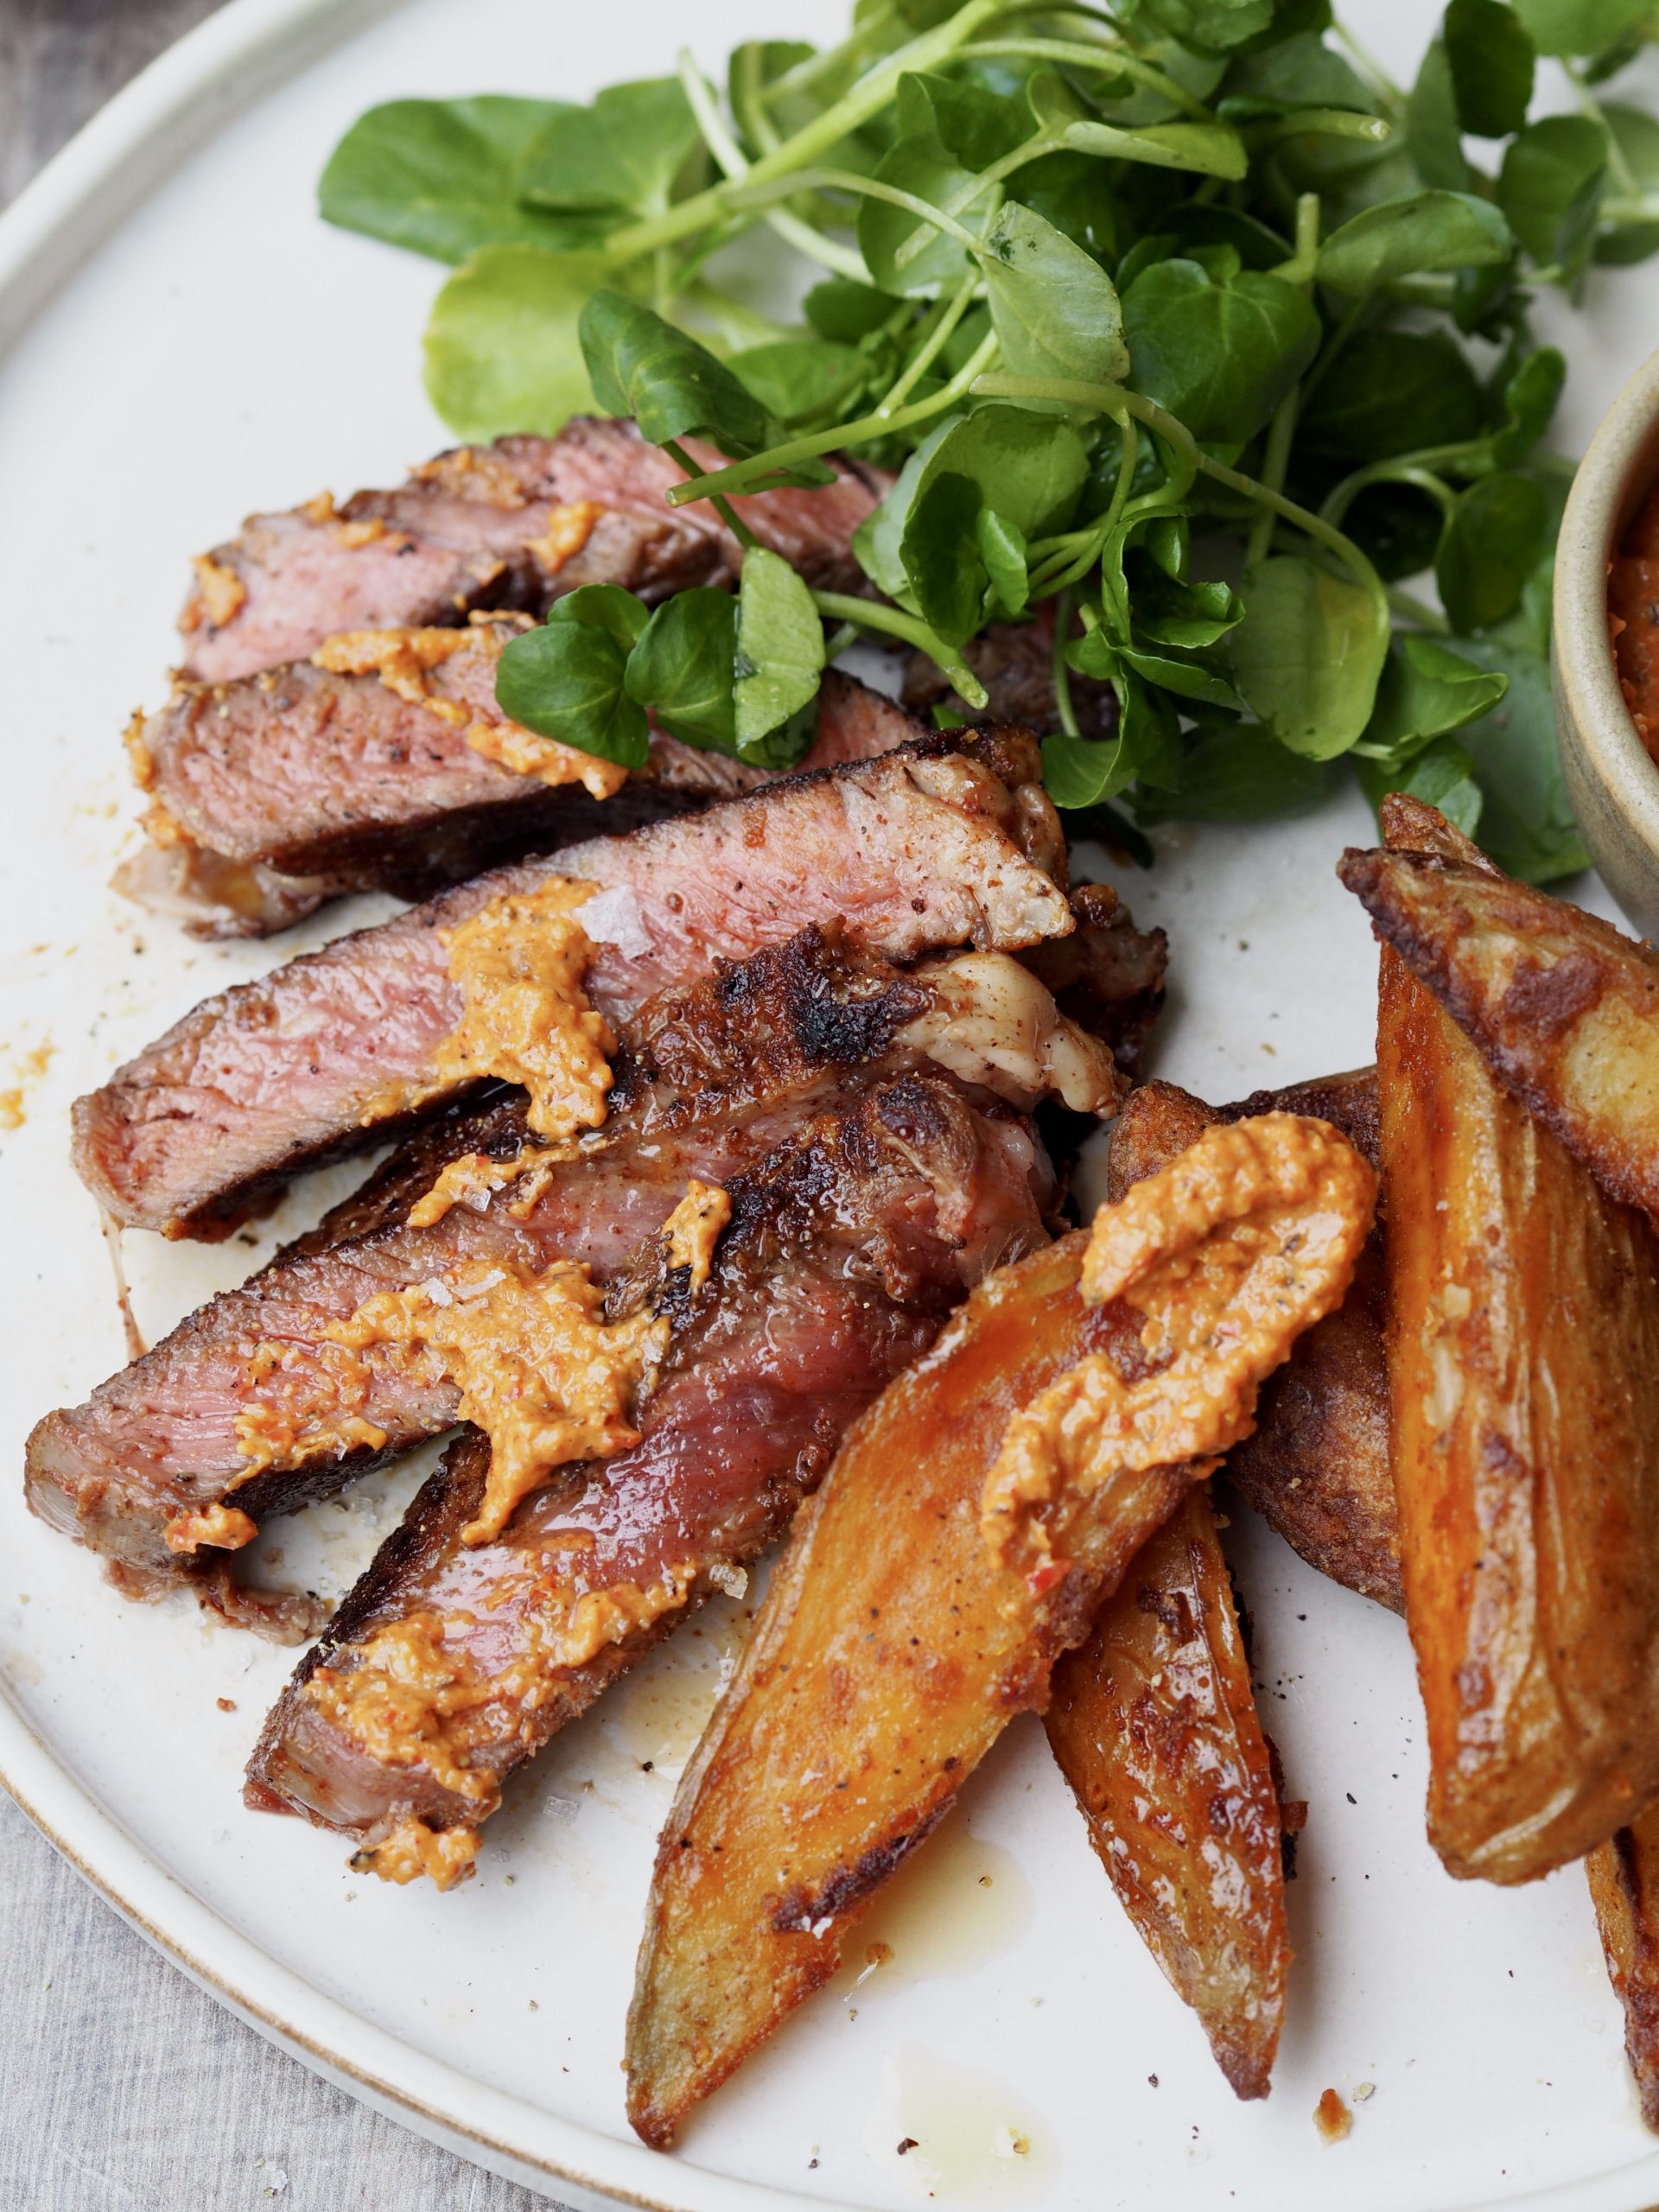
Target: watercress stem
894 622
729 514
855 107
1276 459
759 192
1063 707
950 314
742 474
1064 53
844 261
1417 611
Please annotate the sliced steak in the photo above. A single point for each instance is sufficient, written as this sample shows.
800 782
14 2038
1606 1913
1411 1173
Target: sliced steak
945 841
277 792
708 1081
1108 977
846 1250
513 525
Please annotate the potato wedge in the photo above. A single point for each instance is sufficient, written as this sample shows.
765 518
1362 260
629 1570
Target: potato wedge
1523 1365
1317 1469
975 1520
887 1658
1153 1725
1624 1889
1562 1007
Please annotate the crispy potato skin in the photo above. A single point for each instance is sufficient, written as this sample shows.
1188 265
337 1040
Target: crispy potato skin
888 1656
1317 1468
1153 1725
1624 1889
1523 1362
1563 1008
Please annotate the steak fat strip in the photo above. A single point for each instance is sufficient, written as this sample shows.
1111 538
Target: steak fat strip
847 1248
947 840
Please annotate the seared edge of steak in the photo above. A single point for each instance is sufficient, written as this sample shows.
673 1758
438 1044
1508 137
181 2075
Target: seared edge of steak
947 840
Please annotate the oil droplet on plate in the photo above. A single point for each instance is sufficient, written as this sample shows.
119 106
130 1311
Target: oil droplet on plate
967 2138
655 1715
958 1903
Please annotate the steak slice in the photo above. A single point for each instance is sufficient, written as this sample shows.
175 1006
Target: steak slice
1015 661
944 842
846 1250
275 793
511 525
707 1081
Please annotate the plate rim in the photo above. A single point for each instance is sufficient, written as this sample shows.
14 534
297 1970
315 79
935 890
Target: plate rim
74 204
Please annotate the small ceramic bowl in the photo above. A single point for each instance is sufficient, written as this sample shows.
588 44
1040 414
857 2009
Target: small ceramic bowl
1612 781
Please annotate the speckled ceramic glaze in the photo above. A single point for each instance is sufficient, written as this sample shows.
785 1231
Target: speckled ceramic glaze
1613 782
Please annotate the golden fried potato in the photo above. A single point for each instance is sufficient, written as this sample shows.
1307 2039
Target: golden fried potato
1523 1365
1154 1727
887 1658
975 1520
1563 1008
1317 1469
1624 1889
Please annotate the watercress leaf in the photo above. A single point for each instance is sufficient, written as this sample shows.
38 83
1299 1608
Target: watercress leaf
1572 27
918 165
803 383
945 577
1002 549
1490 55
1054 308
1526 822
1188 617
624 154
843 310
1030 467
441 176
1308 654
1550 188
609 607
1213 26
1631 238
1434 134
683 668
1080 771
641 366
1187 678
1299 71
1200 223
1530 395
1239 775
567 681
1205 149
1149 730
779 661
1220 356
973 124
1395 391
1077 195
1425 691
502 348
1491 542
1441 773
1407 234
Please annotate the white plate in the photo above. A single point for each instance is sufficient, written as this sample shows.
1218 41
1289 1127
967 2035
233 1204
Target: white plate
187 341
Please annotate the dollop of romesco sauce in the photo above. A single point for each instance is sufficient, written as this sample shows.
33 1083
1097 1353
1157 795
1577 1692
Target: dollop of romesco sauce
403 659
541 1371
520 963
1230 1252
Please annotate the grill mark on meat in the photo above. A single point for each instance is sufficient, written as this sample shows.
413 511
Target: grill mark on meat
946 841
300 785
847 1249
460 534
707 1080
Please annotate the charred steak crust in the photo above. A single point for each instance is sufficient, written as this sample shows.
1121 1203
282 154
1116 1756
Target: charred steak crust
316 1059
846 1249
755 1040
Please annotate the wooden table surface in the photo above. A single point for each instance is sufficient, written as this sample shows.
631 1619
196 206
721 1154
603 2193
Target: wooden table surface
123 2088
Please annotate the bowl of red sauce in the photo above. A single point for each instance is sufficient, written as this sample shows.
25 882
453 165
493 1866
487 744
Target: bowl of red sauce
1606 647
